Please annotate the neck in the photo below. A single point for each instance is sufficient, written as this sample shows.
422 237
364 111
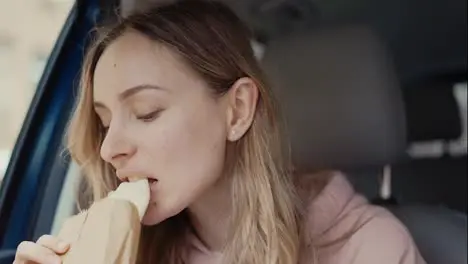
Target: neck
210 217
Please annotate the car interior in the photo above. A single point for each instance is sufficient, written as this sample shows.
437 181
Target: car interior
374 88
345 80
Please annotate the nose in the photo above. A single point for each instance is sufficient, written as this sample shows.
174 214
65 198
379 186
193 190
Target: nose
117 147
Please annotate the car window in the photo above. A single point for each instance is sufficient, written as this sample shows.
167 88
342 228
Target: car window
459 147
67 202
455 148
28 31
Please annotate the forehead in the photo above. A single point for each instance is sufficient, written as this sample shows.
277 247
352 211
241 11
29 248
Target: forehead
133 60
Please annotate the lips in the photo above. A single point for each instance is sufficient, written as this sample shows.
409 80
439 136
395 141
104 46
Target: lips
151 181
135 178
133 175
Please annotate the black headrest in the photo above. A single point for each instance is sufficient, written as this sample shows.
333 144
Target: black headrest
432 112
340 96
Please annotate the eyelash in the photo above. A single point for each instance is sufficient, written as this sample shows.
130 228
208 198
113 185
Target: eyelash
145 118
149 117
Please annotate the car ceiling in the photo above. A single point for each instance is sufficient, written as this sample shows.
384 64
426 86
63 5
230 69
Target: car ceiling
428 38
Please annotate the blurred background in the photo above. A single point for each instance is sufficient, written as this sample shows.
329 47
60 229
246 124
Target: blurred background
28 31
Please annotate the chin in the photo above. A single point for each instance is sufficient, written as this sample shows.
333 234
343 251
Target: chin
155 215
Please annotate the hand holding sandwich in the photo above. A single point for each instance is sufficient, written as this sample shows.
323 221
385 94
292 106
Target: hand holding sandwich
108 232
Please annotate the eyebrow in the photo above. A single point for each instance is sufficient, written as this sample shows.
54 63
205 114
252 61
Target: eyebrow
131 92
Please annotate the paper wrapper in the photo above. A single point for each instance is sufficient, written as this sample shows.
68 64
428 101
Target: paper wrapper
108 233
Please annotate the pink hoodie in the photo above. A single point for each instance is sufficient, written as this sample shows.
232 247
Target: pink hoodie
341 227
345 229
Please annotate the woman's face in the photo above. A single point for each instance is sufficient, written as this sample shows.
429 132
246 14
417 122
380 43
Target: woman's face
163 123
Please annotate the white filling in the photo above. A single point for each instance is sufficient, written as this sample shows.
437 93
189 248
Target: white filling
136 192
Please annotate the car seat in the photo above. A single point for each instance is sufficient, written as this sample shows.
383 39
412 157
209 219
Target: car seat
344 110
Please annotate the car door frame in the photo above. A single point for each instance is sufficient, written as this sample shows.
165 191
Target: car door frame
33 181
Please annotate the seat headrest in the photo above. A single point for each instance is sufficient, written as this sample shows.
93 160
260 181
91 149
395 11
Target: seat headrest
340 97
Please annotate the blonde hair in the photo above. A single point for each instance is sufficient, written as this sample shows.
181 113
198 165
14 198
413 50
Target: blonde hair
213 41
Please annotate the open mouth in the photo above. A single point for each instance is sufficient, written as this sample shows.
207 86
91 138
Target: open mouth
151 181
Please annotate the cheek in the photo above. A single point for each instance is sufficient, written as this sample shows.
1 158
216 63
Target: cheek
187 152
187 142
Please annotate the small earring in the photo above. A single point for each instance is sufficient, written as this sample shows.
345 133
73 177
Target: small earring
233 133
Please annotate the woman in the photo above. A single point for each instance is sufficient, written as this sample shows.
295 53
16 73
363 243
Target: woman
176 95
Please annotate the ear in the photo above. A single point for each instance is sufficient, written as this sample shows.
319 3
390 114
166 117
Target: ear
242 100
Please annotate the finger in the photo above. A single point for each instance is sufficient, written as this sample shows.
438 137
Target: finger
29 251
53 243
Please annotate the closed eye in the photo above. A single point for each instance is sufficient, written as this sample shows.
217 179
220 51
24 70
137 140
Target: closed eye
149 117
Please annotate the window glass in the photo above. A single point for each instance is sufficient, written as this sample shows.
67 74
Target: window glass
28 31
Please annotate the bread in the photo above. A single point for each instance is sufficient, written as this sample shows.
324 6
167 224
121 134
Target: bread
109 231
